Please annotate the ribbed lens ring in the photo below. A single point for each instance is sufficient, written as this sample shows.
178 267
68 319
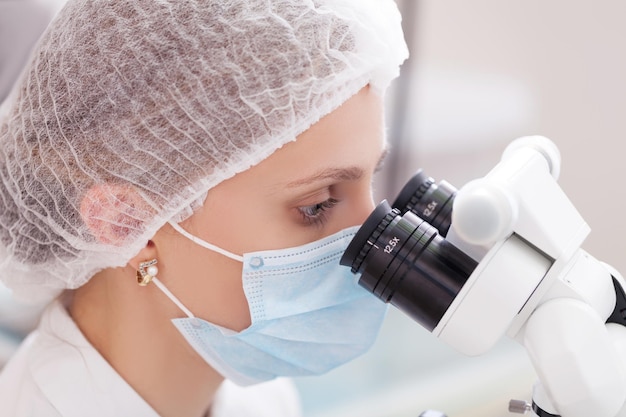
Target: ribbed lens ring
413 191
419 193
367 246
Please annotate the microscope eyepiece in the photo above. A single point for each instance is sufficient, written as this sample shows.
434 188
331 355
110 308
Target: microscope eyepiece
431 202
404 261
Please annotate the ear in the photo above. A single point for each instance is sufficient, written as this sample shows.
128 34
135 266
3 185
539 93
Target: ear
113 212
147 253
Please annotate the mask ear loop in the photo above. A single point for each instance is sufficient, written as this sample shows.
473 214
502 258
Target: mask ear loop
172 297
204 244
147 274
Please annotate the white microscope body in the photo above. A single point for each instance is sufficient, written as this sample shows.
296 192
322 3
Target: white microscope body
534 283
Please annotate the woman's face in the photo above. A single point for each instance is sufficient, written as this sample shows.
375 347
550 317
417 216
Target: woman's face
308 189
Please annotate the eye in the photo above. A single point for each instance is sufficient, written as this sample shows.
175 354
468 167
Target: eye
316 214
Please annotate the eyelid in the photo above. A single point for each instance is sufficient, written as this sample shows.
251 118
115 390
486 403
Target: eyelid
320 217
328 203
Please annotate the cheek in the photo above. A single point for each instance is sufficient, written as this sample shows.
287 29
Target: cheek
209 285
220 296
359 205
243 222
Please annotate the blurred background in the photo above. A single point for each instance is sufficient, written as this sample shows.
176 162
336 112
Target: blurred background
481 74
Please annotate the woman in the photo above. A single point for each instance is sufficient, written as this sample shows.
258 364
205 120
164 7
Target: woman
182 178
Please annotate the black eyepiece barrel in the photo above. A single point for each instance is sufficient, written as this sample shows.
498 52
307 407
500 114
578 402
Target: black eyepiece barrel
403 260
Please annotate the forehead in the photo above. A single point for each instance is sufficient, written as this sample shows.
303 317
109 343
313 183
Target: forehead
347 140
350 136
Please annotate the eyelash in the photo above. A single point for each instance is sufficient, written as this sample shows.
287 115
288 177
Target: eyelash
316 214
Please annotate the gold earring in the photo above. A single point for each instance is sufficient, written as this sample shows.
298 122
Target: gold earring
147 271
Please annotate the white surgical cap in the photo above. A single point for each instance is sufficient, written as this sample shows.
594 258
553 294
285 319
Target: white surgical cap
168 98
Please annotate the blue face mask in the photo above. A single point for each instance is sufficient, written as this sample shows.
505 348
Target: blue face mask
308 314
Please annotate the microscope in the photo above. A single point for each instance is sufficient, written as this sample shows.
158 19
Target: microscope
502 256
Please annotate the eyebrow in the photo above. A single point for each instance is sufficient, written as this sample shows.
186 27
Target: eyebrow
337 174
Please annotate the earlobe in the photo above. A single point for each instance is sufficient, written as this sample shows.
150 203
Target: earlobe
113 212
144 256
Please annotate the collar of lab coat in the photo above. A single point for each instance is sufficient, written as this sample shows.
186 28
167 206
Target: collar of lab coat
66 359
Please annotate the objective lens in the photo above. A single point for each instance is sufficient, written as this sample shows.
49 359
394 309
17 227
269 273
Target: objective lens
431 202
404 261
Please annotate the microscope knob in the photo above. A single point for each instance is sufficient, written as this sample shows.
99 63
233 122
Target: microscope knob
483 212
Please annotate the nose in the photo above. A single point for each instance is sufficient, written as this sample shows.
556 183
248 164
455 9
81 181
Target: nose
364 207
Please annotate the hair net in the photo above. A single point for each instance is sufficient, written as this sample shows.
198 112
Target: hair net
166 98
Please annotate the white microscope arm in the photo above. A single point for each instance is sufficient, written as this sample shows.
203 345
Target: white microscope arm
538 285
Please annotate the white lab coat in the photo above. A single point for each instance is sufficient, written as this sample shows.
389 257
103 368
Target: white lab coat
57 373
